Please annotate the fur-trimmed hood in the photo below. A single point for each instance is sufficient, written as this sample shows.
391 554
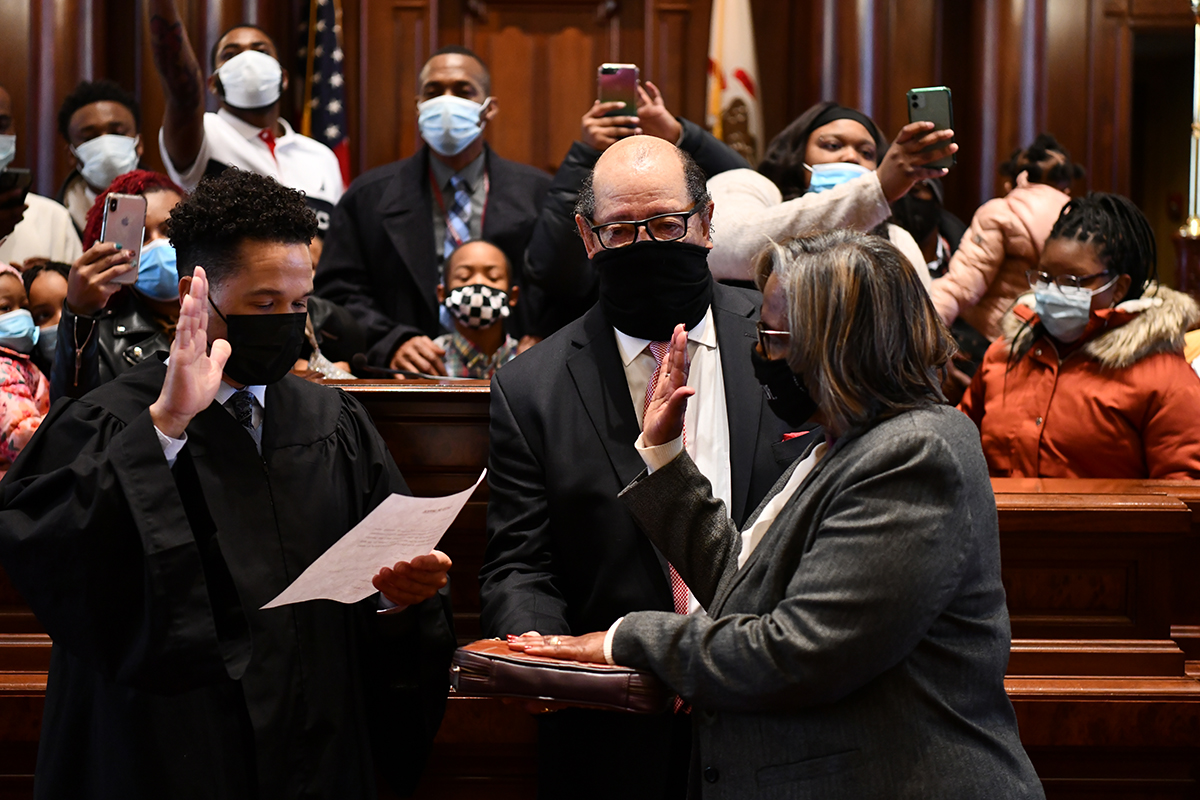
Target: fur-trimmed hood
1154 323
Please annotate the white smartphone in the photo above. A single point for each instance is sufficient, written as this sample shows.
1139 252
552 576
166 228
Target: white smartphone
125 226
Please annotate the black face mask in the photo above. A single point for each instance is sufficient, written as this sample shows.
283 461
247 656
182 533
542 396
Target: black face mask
647 288
786 393
264 347
918 217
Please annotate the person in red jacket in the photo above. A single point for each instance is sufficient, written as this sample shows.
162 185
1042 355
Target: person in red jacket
1089 378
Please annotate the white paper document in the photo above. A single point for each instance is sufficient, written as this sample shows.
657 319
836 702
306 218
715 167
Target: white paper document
399 529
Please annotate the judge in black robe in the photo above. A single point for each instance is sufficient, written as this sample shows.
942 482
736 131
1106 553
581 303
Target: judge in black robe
167 680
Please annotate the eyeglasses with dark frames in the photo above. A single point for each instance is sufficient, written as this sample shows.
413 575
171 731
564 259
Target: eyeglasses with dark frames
669 227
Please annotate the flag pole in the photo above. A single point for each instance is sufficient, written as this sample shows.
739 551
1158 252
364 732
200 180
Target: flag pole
306 116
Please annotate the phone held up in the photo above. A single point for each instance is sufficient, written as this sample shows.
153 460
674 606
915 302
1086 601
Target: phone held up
618 83
933 104
125 225
15 178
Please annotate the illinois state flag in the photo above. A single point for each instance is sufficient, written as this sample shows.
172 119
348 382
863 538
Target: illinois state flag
734 113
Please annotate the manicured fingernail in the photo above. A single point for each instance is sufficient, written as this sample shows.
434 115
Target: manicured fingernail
512 637
117 245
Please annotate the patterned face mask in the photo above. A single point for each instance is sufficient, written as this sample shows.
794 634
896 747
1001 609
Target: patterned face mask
478 305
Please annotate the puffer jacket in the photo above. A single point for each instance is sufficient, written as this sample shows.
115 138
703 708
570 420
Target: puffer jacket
1004 240
1123 404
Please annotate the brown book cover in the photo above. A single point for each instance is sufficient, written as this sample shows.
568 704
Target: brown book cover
489 668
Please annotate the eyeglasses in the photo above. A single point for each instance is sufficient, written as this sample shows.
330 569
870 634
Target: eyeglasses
773 344
1071 283
661 228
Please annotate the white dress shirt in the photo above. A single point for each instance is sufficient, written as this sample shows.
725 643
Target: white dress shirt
298 161
706 422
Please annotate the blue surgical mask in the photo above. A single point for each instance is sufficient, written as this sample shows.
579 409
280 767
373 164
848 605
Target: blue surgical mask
823 177
47 342
106 157
1065 311
8 149
158 275
449 124
18 332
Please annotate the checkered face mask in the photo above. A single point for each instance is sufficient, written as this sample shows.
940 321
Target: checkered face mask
478 305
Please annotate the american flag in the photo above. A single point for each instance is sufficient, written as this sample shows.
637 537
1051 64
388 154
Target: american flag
324 84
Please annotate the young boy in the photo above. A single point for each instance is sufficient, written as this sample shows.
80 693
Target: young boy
477 291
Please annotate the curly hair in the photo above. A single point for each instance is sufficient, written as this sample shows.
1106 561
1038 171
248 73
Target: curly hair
1045 161
88 92
1119 231
208 228
139 181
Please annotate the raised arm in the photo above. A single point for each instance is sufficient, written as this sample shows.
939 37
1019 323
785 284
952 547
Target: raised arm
183 84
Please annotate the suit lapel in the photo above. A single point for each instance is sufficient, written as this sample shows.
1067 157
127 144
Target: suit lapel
735 318
599 378
507 194
407 218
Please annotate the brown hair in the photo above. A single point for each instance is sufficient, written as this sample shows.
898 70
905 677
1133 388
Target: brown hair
865 335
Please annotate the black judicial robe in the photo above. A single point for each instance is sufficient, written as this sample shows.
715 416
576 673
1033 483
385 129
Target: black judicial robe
166 680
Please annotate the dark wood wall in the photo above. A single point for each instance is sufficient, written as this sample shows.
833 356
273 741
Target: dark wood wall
1016 67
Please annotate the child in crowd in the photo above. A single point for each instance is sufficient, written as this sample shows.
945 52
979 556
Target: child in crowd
1005 238
477 290
1090 379
46 287
24 393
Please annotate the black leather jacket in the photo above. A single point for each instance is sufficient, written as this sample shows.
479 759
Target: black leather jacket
93 350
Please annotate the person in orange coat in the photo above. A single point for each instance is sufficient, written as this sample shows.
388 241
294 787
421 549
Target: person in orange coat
1005 238
1089 379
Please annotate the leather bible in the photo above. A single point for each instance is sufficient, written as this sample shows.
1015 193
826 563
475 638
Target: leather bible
489 668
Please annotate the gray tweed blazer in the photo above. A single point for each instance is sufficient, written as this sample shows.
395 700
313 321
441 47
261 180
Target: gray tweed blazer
860 652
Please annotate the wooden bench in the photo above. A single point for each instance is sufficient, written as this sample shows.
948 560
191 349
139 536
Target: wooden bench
1105 614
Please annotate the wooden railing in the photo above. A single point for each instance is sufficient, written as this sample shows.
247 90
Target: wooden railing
1102 589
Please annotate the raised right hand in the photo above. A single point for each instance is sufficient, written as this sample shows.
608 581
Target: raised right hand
89 284
663 421
420 354
194 373
904 163
601 132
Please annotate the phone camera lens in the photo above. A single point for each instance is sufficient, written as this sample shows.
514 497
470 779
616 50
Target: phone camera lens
112 205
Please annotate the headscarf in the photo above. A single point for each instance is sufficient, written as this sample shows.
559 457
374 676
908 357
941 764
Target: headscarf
784 160
139 181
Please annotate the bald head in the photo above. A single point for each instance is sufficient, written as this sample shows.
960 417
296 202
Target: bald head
641 177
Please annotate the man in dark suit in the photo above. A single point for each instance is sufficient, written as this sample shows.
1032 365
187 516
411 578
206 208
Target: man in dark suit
564 556
396 224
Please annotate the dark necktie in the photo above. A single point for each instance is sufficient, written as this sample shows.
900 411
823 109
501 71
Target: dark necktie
242 406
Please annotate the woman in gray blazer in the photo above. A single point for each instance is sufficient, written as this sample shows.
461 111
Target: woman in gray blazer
857 636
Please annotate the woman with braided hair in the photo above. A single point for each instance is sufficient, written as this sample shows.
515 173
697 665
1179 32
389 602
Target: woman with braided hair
1088 379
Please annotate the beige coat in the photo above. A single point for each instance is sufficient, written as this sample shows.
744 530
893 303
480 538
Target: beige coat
749 212
1005 239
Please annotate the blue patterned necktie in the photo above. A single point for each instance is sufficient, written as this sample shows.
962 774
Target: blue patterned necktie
458 216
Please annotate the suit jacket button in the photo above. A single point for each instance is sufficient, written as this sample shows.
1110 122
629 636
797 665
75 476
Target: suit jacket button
711 774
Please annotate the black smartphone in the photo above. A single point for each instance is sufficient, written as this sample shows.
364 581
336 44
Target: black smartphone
933 104
618 82
15 178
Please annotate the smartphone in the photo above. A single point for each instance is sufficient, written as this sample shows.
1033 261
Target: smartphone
125 225
933 104
15 178
618 82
